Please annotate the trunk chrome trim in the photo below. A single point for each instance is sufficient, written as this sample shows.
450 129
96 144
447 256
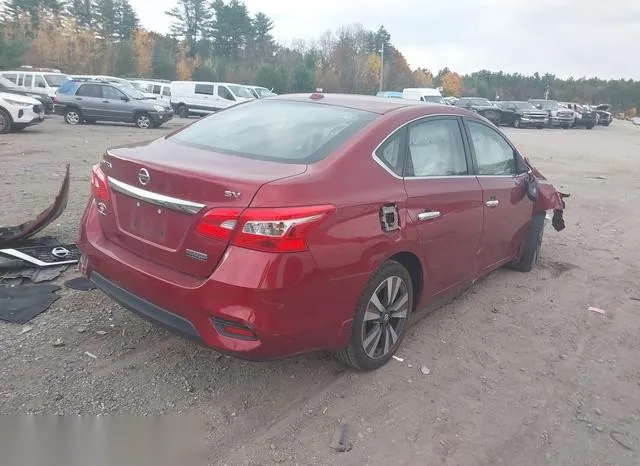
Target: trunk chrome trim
172 203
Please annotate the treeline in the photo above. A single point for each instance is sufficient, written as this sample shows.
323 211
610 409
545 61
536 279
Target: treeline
221 41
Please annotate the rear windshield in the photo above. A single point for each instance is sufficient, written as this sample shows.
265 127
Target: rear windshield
290 132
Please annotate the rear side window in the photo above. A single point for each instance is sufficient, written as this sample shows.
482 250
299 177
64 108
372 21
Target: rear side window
38 81
289 132
166 90
436 149
389 153
90 90
156 89
206 89
28 80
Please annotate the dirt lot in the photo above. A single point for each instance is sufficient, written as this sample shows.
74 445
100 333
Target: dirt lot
521 372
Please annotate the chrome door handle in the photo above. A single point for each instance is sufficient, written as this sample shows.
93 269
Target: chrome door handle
424 216
492 203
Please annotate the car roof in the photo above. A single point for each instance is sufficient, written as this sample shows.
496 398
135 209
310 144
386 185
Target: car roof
367 103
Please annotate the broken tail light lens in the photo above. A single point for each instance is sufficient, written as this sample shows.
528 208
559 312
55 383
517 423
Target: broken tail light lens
265 229
99 186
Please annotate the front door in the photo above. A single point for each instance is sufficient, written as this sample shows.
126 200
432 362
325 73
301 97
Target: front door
507 209
116 106
444 201
89 99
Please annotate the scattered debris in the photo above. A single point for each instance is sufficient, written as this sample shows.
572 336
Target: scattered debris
81 329
598 412
101 333
20 304
599 429
80 284
564 357
44 255
397 358
425 370
340 442
495 310
633 298
91 355
599 311
45 274
58 343
272 446
616 436
25 329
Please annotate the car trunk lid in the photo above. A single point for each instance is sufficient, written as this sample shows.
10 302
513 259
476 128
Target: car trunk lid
159 192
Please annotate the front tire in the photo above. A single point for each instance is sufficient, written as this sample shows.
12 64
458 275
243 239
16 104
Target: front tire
531 247
516 123
72 116
5 122
143 121
381 318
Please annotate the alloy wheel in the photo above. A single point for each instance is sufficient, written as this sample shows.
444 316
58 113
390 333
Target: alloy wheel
385 317
143 122
73 118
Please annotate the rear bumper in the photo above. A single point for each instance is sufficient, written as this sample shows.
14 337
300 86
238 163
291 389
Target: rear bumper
290 305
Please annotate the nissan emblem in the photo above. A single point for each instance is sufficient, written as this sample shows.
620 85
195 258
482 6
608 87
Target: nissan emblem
144 177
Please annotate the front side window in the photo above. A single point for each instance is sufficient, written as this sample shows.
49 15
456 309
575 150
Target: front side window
112 93
156 89
436 149
56 80
166 90
225 93
28 80
281 131
494 155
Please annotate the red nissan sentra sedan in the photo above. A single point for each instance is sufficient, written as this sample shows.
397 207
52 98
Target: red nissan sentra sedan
311 222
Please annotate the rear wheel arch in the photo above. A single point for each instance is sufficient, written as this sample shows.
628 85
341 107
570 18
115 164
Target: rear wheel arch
412 263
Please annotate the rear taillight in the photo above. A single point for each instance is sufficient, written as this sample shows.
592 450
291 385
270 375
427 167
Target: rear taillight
55 99
99 187
265 229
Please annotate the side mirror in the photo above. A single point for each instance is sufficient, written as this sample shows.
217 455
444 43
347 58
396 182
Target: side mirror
531 186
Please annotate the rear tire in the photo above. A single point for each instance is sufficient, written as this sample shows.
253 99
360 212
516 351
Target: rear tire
381 318
590 126
5 121
72 116
531 247
183 111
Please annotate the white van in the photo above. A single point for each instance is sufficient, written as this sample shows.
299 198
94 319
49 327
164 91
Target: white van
158 87
423 94
202 98
37 80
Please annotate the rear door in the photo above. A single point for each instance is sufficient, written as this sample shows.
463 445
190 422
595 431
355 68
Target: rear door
89 98
444 200
507 209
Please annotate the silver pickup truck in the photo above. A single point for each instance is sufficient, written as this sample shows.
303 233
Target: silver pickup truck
558 115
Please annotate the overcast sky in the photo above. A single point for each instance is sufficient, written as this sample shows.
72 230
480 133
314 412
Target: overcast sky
565 37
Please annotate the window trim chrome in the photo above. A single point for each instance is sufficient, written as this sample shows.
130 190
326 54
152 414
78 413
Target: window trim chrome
180 205
409 178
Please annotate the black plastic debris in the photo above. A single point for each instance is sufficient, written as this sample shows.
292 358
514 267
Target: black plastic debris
20 304
44 274
46 255
80 284
340 441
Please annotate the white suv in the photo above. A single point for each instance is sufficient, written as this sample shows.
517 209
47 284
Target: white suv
18 111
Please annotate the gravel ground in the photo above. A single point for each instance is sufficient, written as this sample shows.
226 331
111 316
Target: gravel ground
521 372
